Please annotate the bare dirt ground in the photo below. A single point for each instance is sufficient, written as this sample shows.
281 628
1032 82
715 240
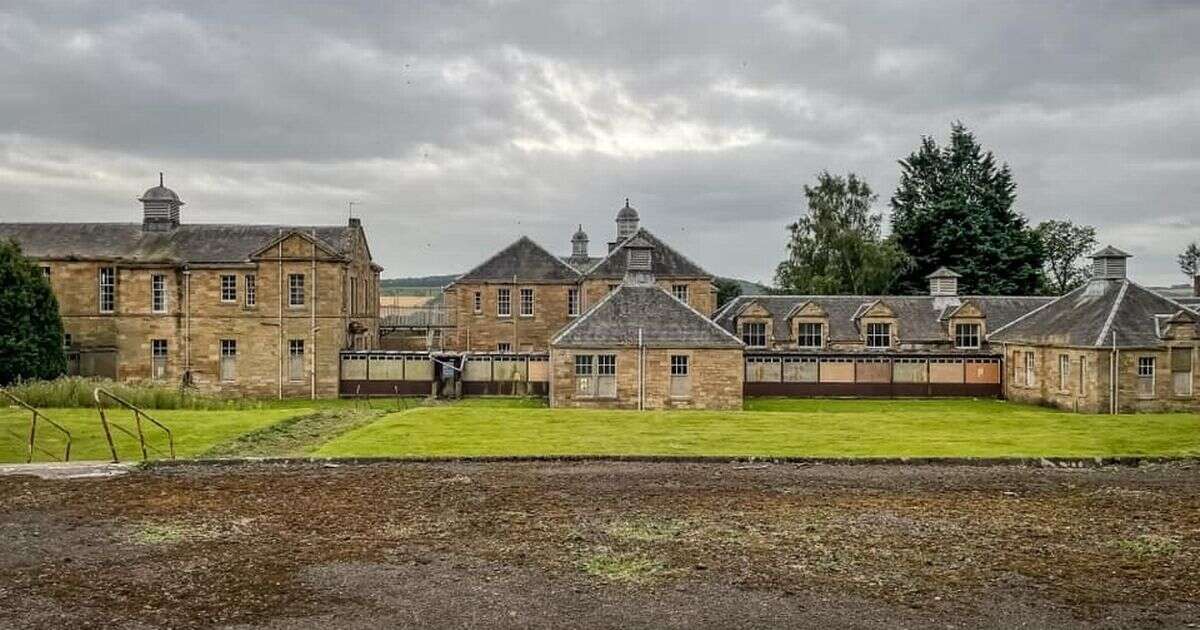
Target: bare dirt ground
604 545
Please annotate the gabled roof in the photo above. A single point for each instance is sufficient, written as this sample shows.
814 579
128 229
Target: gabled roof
665 261
944 272
1111 252
188 243
1091 314
918 317
664 322
524 261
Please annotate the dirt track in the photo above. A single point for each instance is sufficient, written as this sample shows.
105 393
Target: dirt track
603 544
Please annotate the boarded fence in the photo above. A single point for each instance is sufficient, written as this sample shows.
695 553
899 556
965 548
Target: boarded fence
872 376
390 373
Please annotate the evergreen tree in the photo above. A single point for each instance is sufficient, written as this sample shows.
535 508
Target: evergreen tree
1189 260
31 334
953 208
836 248
1066 247
726 290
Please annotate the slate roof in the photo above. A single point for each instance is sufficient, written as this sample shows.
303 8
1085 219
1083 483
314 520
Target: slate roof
1088 316
665 261
665 322
581 264
920 318
524 260
188 243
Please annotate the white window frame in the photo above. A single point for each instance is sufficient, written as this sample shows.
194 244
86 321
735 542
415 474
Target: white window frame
802 335
1030 369
478 302
584 370
251 296
572 301
158 360
296 363
229 288
1064 372
228 357
158 293
967 332
527 298
503 302
504 347
749 337
680 291
680 369
107 286
296 294
873 334
1147 368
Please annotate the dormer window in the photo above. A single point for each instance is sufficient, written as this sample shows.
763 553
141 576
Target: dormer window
754 334
966 336
879 335
809 334
639 259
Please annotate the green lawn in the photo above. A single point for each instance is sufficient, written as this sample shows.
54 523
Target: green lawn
774 427
194 431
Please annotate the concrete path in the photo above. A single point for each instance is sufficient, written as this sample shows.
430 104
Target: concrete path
68 470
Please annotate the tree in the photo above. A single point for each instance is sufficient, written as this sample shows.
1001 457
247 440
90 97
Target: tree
953 208
1189 260
1066 245
726 290
836 248
31 333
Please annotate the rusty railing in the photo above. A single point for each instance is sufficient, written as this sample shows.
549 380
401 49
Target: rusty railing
138 415
31 439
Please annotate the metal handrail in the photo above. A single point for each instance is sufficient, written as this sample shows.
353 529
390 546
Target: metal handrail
31 445
138 414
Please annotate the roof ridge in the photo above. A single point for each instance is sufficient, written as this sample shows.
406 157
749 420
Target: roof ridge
506 248
1112 314
700 315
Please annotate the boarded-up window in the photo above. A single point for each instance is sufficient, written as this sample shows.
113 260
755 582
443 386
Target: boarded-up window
763 370
386 368
945 371
1145 372
910 371
228 359
681 376
354 367
1064 371
1181 371
837 371
418 369
799 370
478 370
539 370
873 372
983 372
606 376
295 359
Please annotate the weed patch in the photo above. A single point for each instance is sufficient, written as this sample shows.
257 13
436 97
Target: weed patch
645 529
1149 545
624 568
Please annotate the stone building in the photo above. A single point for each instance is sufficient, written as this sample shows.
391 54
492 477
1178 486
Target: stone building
641 347
1108 346
516 300
258 310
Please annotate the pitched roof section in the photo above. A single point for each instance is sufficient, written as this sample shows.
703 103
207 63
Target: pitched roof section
524 260
664 321
944 272
918 317
665 261
188 243
1091 314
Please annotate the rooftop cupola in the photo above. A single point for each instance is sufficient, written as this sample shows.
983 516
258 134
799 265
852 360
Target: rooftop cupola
160 208
943 282
579 244
1109 264
627 221
639 262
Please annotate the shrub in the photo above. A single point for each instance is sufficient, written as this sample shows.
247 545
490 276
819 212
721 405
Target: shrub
76 391
31 333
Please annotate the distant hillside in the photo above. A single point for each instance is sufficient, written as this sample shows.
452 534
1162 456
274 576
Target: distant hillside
427 284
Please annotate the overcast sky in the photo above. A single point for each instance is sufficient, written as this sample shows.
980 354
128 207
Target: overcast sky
460 126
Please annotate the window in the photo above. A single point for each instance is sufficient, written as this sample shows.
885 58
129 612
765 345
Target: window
478 304
67 340
526 302
1181 371
573 301
1030 372
754 334
1082 376
879 335
158 293
504 302
1145 372
606 375
228 288
295 289
966 336
1064 371
108 289
251 289
46 270
158 359
353 296
681 379
296 359
228 366
808 334
596 376
585 383
680 291
612 287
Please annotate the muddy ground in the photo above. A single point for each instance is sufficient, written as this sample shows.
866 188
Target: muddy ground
603 545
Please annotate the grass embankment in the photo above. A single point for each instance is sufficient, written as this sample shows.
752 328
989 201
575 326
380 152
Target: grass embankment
773 428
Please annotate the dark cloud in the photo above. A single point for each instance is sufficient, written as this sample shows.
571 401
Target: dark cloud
460 125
